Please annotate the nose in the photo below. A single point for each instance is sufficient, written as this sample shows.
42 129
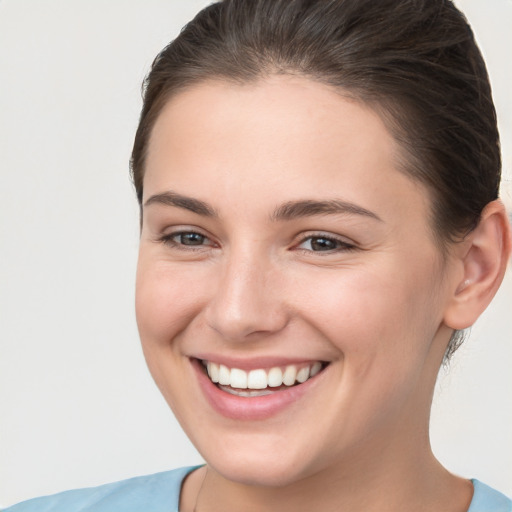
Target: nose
248 300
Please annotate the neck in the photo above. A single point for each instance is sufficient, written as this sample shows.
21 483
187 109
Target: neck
387 483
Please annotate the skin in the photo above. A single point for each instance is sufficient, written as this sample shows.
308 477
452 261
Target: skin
375 305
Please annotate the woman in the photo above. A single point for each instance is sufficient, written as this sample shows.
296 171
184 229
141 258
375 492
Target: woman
318 183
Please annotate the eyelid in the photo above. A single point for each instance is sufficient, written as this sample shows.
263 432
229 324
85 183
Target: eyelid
344 243
167 238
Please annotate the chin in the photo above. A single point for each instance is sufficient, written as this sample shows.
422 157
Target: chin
262 464
269 473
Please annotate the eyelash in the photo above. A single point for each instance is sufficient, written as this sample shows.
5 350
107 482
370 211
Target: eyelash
168 239
339 245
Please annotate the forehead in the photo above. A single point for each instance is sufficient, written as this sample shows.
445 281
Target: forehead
288 108
278 139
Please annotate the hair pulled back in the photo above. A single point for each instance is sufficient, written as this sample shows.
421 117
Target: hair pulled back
414 61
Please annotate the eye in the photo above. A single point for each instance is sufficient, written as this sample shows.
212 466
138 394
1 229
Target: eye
186 240
322 243
189 238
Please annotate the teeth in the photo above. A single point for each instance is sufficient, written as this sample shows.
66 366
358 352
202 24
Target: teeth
303 374
314 369
213 371
275 377
289 376
259 379
246 392
224 375
239 379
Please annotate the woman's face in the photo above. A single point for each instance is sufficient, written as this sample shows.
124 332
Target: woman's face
279 236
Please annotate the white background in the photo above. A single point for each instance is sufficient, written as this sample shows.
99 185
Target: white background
77 404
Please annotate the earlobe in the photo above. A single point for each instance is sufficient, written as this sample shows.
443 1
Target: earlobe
484 262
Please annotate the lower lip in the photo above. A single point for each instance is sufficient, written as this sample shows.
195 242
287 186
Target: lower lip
250 408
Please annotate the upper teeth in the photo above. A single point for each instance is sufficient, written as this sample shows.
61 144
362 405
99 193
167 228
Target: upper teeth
260 378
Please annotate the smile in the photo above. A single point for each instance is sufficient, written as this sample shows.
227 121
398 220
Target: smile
261 389
261 381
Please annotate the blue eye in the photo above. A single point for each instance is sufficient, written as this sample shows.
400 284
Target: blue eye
186 240
324 244
189 238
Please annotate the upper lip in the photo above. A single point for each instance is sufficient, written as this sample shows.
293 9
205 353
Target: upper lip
255 363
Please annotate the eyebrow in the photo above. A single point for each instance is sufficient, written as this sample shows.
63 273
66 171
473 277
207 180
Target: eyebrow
180 201
309 208
287 211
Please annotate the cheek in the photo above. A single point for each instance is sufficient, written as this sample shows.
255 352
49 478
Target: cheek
374 313
166 300
383 330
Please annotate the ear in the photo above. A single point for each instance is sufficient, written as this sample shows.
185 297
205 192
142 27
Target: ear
483 259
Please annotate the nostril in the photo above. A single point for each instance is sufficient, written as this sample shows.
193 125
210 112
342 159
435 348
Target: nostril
245 302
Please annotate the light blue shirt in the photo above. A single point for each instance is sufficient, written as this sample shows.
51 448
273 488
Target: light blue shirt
161 493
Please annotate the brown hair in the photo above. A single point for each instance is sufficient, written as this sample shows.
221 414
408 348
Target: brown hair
414 61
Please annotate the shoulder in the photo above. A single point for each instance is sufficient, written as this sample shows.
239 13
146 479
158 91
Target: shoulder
156 493
487 499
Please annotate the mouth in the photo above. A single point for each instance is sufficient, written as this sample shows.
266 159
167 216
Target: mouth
260 381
